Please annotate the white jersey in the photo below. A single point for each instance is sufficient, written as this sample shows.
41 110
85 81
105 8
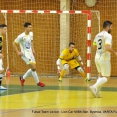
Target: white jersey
25 44
101 40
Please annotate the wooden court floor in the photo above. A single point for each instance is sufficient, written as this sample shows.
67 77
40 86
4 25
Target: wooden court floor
72 97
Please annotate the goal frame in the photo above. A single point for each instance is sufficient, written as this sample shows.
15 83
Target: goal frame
86 12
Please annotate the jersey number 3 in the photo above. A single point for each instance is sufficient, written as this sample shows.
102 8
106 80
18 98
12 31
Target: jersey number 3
100 44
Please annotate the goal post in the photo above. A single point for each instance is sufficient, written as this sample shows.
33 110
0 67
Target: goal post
51 30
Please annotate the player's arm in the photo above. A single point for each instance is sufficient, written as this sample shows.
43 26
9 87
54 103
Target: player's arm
16 48
78 57
32 46
109 49
58 62
81 61
108 45
15 44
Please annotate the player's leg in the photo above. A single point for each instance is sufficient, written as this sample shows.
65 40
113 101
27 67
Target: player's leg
28 72
99 88
99 83
81 71
34 73
74 64
92 88
105 72
31 71
1 75
63 72
35 76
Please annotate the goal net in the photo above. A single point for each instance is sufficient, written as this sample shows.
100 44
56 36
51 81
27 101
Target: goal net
46 29
78 34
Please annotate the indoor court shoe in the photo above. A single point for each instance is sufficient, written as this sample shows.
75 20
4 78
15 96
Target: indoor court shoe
93 91
99 95
22 81
41 84
2 88
87 80
2 91
60 79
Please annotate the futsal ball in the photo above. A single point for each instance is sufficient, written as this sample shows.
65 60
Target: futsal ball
90 3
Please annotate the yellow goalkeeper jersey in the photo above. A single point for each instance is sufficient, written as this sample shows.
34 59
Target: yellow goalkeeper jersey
66 55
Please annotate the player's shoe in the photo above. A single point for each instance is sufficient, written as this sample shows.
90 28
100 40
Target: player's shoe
2 88
60 79
22 80
99 95
93 90
87 80
2 91
41 84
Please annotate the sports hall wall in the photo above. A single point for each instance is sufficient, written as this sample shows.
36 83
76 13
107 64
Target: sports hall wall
46 30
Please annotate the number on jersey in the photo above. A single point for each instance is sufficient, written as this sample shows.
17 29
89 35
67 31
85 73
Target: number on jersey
100 44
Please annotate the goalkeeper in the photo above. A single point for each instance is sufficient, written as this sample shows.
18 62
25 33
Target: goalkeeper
68 58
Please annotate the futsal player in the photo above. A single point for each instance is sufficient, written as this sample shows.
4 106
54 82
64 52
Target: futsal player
103 45
70 57
3 30
25 40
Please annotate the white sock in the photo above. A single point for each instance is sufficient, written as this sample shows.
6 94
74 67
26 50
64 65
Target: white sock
28 73
100 82
35 76
99 88
80 70
1 75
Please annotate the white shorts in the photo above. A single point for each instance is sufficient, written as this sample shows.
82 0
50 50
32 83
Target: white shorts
1 65
29 60
103 67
